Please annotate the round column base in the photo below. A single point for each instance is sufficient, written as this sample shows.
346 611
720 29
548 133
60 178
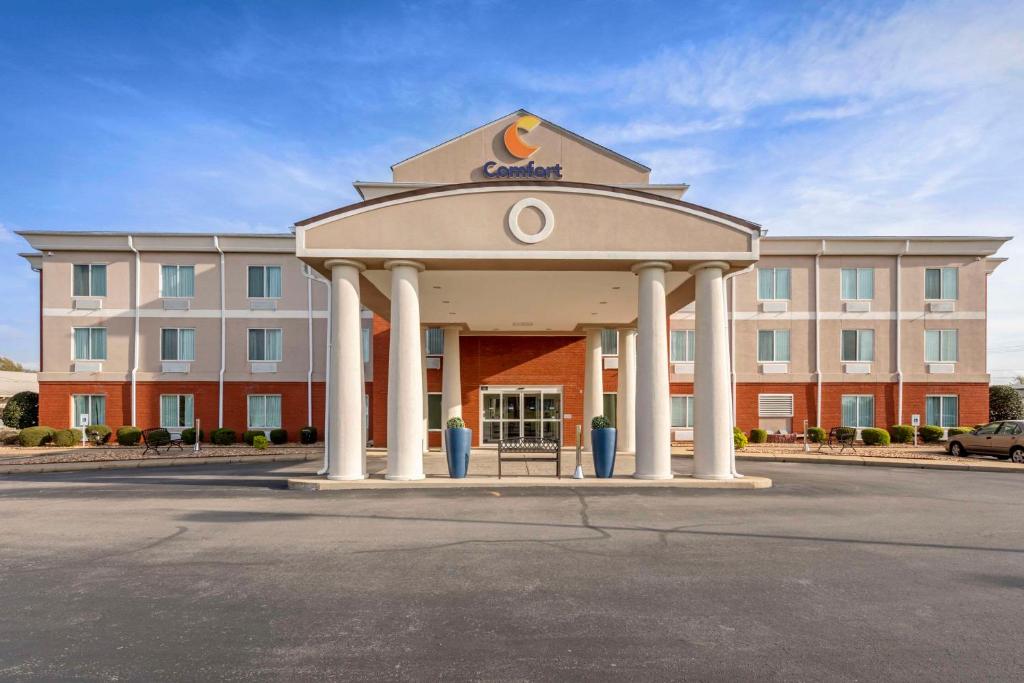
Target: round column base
715 477
654 476
396 477
346 477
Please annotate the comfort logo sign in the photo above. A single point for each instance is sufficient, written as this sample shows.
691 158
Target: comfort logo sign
520 149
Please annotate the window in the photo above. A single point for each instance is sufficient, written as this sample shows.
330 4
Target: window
940 283
681 348
264 282
857 283
177 281
942 411
90 343
176 411
858 346
434 341
858 411
177 344
773 283
93 405
434 412
611 402
610 342
265 344
366 344
682 412
89 279
773 346
940 346
264 411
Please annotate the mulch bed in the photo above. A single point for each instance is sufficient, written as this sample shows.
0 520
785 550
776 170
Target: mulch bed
15 455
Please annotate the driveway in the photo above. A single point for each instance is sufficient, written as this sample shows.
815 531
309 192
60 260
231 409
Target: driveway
215 572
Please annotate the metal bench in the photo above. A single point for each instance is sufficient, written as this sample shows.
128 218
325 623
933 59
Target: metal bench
540 450
842 437
155 442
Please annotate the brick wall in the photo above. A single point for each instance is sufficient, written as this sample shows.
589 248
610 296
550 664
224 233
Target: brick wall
55 402
973 400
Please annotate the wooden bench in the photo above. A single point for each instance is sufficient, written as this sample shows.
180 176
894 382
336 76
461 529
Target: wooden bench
155 443
540 450
842 437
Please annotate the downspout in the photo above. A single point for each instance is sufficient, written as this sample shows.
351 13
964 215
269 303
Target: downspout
899 329
311 276
223 338
135 340
817 332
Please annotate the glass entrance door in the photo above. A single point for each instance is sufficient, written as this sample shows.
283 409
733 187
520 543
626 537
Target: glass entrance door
514 412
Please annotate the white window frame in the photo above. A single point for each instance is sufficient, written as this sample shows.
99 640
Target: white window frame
90 295
264 266
74 354
248 416
874 339
248 351
441 408
942 334
858 296
942 271
686 345
775 284
604 347
178 330
775 346
858 397
942 399
426 337
179 266
688 397
91 397
179 397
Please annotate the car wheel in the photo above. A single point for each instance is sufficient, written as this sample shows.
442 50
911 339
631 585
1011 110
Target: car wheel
1017 455
956 450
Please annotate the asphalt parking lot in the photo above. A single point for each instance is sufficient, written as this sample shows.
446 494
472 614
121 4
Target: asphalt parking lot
214 572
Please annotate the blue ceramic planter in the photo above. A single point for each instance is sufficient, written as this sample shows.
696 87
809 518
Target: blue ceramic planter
457 443
603 442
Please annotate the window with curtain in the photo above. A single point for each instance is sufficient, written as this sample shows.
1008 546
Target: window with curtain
93 405
858 345
773 346
265 344
942 411
611 402
434 341
365 336
940 283
264 411
940 346
773 283
89 279
681 346
264 282
90 343
176 411
858 411
682 412
610 342
434 421
178 344
857 283
177 281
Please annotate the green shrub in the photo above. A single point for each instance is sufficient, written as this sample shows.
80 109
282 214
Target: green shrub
128 435
758 435
307 434
259 442
844 433
1004 403
188 436
223 437
22 410
250 434
930 434
159 437
35 436
98 433
67 437
874 437
957 431
600 422
739 439
816 435
456 423
278 436
902 433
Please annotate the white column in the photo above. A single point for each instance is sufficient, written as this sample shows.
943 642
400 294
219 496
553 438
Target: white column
625 403
451 377
653 410
405 374
426 410
712 416
593 383
346 456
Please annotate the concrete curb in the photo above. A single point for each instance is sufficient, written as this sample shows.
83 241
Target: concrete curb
885 462
377 482
39 468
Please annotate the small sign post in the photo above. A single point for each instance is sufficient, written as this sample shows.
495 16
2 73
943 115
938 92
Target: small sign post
578 472
807 447
196 426
915 422
83 422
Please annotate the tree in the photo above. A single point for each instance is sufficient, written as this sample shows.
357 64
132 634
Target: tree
8 365
22 410
1004 403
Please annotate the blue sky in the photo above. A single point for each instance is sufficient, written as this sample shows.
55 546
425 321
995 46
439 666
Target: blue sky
807 117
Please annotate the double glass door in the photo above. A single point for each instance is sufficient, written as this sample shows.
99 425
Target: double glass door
518 412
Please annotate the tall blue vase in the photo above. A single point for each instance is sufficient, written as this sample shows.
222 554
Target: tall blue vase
457 444
603 442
